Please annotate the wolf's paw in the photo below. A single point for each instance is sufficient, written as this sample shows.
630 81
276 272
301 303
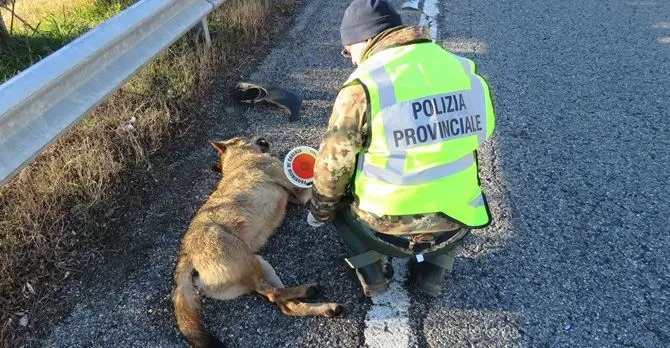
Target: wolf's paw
302 196
333 312
313 290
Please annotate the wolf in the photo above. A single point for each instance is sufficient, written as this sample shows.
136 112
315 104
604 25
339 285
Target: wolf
218 252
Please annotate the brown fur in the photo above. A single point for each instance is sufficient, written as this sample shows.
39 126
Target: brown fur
218 251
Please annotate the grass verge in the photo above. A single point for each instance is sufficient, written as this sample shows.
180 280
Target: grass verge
61 201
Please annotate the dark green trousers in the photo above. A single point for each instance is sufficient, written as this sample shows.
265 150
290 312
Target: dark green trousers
364 248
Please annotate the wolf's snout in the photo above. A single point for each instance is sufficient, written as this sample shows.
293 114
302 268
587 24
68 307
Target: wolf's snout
263 144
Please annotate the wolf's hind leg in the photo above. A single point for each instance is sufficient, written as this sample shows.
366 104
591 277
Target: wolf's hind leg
300 309
274 290
277 294
272 287
269 273
230 291
225 292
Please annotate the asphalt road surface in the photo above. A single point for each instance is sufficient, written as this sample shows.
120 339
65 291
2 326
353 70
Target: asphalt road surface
576 177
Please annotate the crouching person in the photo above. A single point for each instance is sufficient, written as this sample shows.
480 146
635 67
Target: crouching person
397 171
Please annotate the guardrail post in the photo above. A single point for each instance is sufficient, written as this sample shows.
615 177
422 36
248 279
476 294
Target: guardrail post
205 30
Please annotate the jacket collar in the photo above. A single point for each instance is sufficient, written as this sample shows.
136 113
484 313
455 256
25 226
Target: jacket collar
398 36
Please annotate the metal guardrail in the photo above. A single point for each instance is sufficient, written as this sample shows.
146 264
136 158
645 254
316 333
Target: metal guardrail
43 102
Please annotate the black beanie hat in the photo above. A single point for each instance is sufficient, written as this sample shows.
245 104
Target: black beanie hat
364 19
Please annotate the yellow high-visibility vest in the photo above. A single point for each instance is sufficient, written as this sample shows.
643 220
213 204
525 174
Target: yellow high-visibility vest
429 112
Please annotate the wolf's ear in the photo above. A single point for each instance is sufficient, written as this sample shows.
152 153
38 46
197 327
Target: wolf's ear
219 146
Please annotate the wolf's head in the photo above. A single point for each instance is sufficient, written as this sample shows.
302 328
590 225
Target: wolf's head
240 144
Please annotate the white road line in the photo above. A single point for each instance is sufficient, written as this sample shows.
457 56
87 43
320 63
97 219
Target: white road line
429 16
413 4
429 12
387 322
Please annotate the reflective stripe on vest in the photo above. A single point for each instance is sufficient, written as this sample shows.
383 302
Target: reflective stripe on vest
393 173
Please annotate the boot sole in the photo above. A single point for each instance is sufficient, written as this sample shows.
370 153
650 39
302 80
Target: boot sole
433 290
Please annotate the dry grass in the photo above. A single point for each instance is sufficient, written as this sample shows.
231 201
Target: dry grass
56 204
35 12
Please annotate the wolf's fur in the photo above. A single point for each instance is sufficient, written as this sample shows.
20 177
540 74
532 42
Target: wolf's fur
218 251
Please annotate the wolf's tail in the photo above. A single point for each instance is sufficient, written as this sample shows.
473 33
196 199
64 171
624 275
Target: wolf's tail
187 308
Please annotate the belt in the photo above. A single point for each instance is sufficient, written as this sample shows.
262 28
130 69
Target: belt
415 246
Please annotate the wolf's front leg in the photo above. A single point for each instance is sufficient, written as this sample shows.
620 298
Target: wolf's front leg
297 195
300 195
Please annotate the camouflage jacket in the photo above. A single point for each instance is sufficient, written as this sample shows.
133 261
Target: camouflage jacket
344 138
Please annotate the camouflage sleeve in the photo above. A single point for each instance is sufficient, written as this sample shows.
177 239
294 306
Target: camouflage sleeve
336 161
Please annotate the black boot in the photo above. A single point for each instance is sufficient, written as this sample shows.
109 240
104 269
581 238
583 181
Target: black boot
428 278
372 279
252 93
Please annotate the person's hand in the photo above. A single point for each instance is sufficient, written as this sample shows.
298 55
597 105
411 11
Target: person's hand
312 221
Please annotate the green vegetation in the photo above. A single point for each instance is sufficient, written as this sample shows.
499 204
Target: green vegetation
30 43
